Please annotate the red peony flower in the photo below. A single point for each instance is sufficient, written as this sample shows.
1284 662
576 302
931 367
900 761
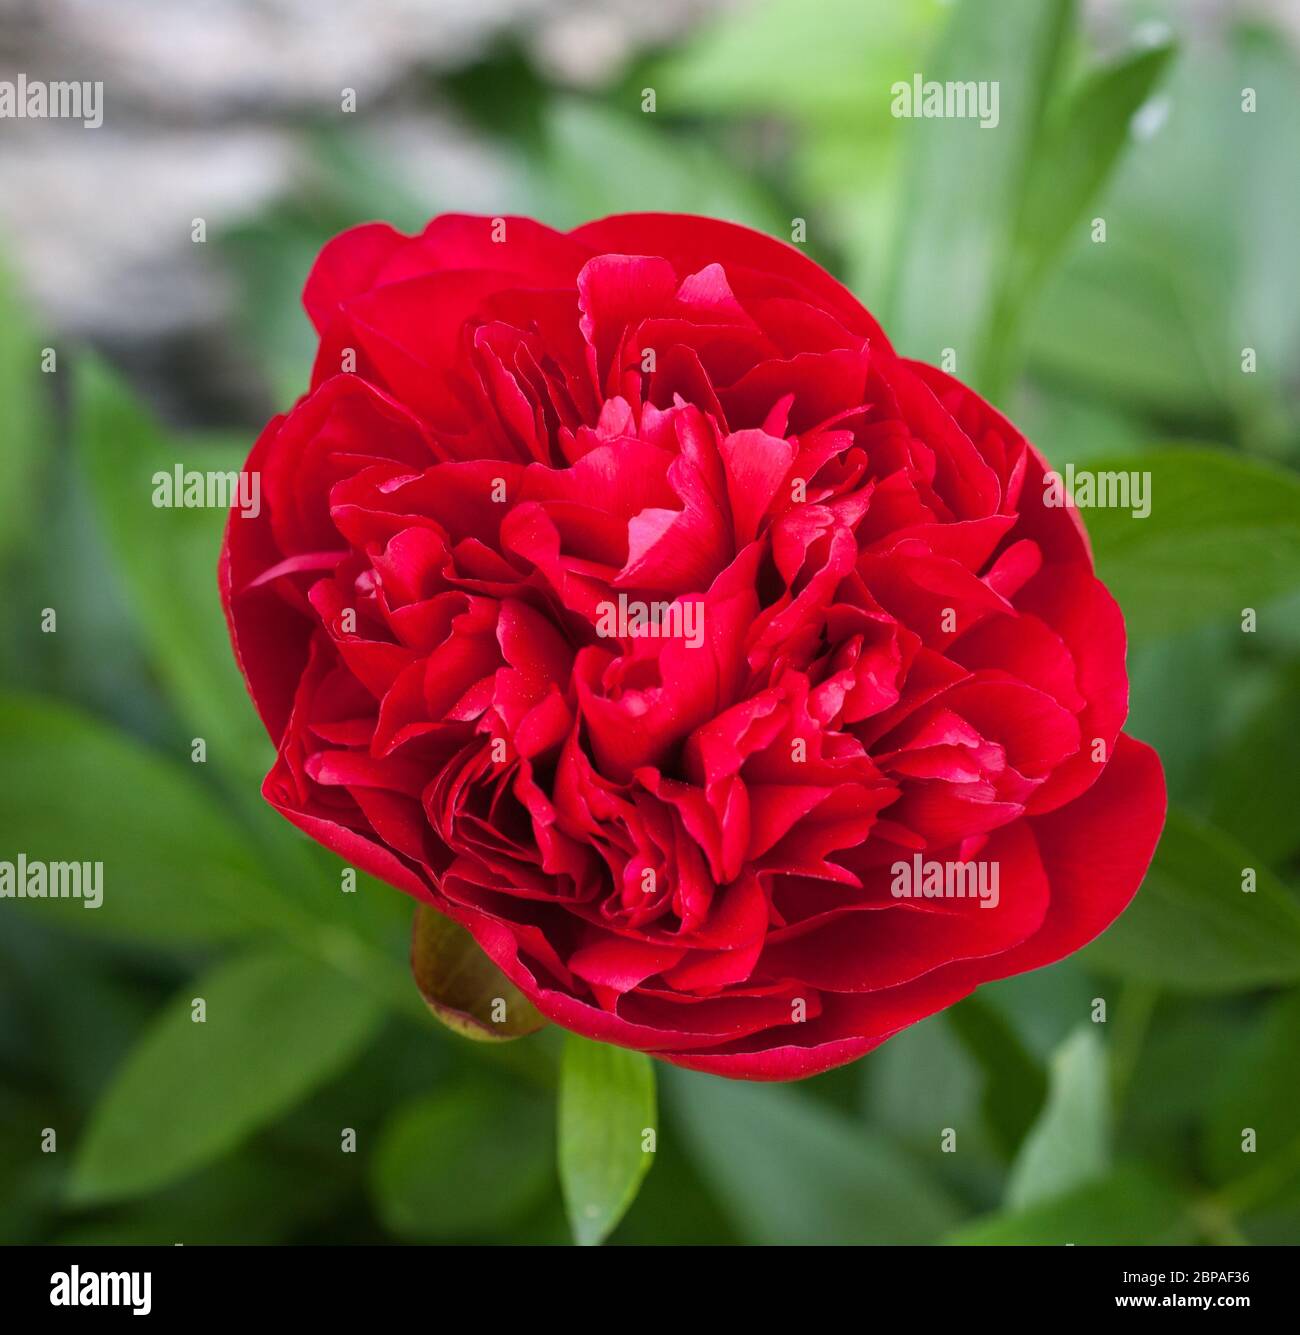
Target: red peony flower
624 596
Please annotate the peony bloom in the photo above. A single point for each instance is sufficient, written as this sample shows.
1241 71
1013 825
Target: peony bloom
621 594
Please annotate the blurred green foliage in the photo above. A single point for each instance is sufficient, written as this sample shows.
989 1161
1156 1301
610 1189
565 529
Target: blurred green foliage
1066 1129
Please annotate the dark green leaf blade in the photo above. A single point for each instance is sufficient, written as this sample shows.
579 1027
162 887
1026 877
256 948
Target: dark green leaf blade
1192 928
175 869
1070 1142
168 560
1255 782
468 1160
1223 534
1257 1091
1127 1208
792 1171
1015 1084
277 1025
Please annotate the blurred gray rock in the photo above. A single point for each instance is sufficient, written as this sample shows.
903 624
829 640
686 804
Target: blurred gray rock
206 106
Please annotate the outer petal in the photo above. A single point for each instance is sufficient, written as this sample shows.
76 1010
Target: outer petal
1096 851
269 639
347 266
692 243
374 253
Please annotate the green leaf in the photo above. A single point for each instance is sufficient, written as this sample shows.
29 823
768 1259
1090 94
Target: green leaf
1042 1008
1255 784
461 986
607 1105
268 256
1168 1090
792 1171
1119 326
769 60
277 1025
921 1081
964 183
1126 1208
258 1196
1079 150
1144 317
1190 674
1190 276
175 869
1257 1087
1223 534
1262 190
168 560
469 1160
1070 1142
832 81
1014 1082
597 162
1192 928
24 441
1066 426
